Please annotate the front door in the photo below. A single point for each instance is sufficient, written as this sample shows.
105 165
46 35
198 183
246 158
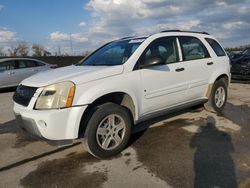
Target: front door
26 68
163 85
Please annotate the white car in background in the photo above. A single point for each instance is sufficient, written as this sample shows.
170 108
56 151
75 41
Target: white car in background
124 82
15 70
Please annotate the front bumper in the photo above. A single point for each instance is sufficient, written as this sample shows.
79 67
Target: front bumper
61 124
28 125
239 76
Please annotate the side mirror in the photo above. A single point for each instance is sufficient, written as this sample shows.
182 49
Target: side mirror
153 61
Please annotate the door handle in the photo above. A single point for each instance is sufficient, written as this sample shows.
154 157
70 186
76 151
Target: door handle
10 73
179 69
210 63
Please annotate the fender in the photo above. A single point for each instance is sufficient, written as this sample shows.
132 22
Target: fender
127 83
220 70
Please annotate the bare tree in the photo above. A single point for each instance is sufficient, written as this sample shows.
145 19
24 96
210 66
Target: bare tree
13 51
86 53
38 50
2 52
46 53
239 48
66 54
21 49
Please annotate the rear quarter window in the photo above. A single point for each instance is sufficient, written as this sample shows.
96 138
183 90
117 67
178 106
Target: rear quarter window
216 47
30 64
39 63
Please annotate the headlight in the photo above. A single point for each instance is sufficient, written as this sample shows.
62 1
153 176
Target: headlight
56 96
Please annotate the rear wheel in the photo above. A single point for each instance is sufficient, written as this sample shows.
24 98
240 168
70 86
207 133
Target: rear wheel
218 97
108 130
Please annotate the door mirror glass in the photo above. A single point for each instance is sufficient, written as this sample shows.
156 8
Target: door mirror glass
153 61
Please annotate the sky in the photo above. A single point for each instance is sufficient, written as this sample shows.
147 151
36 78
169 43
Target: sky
75 26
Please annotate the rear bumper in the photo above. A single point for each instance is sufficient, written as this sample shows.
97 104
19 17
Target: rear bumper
61 124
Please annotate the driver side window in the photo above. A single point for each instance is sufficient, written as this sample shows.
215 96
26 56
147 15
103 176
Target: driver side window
163 48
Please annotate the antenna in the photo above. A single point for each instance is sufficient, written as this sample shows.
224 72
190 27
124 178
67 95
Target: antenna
71 43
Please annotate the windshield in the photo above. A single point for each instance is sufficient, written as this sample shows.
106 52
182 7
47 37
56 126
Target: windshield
114 53
247 52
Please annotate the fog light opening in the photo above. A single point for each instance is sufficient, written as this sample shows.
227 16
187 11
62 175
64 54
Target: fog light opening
42 123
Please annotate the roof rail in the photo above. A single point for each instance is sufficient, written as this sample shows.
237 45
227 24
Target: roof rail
185 31
126 37
173 30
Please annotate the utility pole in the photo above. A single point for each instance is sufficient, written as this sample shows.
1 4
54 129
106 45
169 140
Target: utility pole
71 44
59 50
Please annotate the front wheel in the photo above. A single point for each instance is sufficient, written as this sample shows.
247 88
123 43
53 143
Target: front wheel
108 130
218 97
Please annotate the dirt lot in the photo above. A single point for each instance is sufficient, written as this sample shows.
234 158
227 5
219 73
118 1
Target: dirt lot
192 148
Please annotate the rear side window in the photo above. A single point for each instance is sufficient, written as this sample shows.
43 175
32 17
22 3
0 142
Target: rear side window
193 48
26 64
21 64
216 47
31 64
7 65
38 63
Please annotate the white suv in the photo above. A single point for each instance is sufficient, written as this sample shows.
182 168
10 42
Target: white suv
122 83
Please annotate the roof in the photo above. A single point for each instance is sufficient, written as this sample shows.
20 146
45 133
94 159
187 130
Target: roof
19 58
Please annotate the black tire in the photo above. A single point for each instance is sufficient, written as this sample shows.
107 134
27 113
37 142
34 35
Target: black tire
211 104
99 114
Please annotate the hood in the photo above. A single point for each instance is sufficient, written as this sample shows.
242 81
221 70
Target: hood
76 74
244 60
236 57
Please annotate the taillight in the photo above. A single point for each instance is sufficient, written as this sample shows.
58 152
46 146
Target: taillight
53 66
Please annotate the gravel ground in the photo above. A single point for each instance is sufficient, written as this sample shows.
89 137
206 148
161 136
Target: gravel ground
192 148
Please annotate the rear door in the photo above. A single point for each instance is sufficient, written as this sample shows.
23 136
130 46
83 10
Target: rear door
198 66
7 74
41 66
25 69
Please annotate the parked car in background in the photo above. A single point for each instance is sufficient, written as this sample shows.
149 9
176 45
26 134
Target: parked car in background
241 65
14 70
240 54
246 51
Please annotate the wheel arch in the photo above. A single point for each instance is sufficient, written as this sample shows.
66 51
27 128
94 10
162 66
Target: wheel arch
121 98
223 76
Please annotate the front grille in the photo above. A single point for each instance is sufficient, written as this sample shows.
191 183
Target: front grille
24 94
